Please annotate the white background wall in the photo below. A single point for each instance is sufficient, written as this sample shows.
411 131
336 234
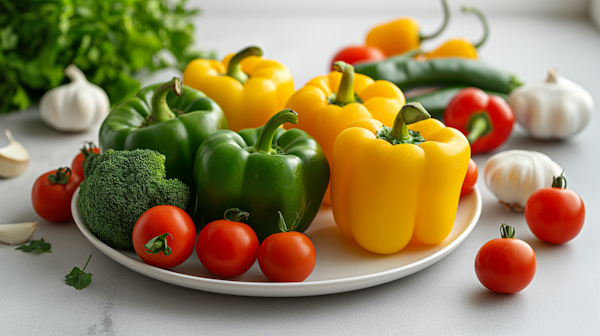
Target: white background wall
555 7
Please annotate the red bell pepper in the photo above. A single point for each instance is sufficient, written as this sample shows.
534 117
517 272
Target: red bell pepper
486 120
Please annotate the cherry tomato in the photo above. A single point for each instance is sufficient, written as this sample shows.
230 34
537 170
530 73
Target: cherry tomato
226 247
164 236
77 164
556 214
354 54
505 265
470 179
287 256
52 193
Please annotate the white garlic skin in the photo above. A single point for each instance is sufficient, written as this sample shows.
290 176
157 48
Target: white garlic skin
514 175
556 108
14 158
14 234
74 107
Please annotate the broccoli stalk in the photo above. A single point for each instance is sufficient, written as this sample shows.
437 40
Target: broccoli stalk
119 187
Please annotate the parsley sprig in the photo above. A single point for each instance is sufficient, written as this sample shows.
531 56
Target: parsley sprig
78 278
36 247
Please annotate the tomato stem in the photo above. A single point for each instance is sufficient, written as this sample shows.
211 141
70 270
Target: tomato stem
236 214
559 181
283 227
158 244
61 176
507 231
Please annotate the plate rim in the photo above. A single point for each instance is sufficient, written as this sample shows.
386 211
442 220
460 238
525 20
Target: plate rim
275 289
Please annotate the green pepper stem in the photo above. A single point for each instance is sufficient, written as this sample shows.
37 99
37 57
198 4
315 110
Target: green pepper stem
409 114
236 215
234 69
345 94
483 20
559 181
61 176
265 138
507 231
160 109
479 125
444 24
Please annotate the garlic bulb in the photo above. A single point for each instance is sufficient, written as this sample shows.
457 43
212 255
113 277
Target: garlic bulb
514 175
14 158
17 233
556 108
74 107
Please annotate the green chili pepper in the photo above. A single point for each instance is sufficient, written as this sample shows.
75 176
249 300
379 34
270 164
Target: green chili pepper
170 118
435 102
408 73
262 170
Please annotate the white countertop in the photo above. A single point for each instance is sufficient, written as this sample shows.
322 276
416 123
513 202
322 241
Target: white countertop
445 298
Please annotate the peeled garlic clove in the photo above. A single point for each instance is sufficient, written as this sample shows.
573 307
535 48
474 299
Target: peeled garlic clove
17 233
14 158
514 175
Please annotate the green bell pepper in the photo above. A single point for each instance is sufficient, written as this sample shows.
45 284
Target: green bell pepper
262 170
170 118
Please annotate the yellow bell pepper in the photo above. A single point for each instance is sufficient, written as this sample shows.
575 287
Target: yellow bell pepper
401 35
461 47
389 185
249 88
327 105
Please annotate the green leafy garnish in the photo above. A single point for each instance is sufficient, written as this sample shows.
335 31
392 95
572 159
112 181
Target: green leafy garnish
109 40
78 278
36 247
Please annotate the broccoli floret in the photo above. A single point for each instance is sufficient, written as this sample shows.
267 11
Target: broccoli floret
119 187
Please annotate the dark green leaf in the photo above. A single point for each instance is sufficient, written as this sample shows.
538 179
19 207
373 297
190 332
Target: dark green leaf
36 247
78 278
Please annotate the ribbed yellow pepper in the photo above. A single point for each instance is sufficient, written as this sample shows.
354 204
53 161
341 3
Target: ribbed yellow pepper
401 35
460 47
249 88
327 105
388 187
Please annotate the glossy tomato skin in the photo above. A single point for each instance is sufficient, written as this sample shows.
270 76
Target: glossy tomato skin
287 257
505 265
470 179
227 248
77 164
354 54
555 215
157 221
52 201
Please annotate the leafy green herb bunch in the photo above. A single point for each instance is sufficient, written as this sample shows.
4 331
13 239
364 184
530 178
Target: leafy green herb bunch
109 40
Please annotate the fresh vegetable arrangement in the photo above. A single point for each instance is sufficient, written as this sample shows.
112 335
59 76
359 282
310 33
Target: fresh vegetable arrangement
108 40
395 174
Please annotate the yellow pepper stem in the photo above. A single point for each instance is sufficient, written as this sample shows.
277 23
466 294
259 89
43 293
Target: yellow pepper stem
409 114
444 24
345 94
234 69
265 137
160 109
481 17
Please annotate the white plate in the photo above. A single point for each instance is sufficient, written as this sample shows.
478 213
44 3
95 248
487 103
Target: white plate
342 265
